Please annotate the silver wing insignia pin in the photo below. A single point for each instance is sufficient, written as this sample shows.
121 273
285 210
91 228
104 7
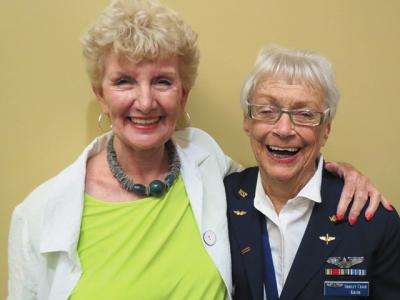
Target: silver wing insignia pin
345 262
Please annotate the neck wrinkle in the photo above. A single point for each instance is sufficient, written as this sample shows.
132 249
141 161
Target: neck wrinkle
280 192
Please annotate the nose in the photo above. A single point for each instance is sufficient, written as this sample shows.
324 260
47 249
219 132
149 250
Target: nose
284 126
144 100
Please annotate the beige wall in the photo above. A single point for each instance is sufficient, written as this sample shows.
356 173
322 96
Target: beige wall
48 112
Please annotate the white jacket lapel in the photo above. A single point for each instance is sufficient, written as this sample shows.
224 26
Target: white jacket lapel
191 157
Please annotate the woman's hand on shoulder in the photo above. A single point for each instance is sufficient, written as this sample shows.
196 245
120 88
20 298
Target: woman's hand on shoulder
359 187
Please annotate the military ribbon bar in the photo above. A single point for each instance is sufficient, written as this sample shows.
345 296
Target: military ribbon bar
351 272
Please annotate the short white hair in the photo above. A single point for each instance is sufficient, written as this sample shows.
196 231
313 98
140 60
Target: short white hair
294 65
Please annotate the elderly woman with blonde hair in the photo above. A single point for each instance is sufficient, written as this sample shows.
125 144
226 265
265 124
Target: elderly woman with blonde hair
141 214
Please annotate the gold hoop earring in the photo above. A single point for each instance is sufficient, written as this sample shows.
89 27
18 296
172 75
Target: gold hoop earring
183 121
187 118
101 125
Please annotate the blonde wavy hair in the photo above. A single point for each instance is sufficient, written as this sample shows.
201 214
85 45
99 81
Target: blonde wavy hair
140 30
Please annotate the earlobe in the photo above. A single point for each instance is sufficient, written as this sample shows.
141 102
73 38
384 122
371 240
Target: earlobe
185 96
99 96
326 133
246 124
97 91
328 130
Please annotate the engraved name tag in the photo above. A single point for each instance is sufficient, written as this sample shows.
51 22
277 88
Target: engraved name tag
346 288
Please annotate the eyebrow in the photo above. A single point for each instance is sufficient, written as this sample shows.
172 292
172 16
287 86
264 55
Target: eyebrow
159 73
268 99
166 73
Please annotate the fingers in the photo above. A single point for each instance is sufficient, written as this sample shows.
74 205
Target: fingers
346 196
357 187
360 199
375 199
386 204
367 191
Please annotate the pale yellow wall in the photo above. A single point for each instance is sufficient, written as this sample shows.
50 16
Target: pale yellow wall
48 112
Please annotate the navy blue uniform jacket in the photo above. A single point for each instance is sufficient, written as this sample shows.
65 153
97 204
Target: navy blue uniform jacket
377 241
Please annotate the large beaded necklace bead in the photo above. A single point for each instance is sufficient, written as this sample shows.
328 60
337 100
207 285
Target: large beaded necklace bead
156 188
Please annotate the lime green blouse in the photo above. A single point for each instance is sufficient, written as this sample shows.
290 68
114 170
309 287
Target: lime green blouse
144 249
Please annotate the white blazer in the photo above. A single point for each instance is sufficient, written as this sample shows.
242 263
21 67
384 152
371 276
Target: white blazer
43 259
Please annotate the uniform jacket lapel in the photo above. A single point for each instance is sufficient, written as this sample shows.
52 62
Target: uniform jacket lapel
313 252
246 227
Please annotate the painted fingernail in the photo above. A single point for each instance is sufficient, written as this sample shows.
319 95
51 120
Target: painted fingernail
340 216
368 216
352 220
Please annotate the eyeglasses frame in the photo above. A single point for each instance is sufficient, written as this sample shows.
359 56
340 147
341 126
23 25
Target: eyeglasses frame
323 115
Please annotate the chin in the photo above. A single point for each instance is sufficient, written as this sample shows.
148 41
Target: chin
148 144
141 142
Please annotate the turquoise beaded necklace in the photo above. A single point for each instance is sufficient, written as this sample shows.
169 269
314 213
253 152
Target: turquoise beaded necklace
156 188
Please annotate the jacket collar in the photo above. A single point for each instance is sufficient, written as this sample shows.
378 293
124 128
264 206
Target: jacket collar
63 212
246 222
191 157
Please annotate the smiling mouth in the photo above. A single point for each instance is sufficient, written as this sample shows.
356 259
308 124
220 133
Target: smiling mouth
282 152
145 122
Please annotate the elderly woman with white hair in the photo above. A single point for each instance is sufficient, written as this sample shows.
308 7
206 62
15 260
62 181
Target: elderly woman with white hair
286 240
141 214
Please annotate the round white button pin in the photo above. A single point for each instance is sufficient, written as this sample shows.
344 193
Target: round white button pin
209 238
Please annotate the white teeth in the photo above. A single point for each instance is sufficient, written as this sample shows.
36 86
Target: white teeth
283 149
145 121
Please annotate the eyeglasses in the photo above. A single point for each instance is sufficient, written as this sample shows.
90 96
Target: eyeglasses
271 114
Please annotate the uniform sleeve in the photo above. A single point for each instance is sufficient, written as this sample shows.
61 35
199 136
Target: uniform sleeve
386 269
22 263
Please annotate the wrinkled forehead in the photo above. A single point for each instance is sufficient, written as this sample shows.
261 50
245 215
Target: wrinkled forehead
137 58
309 82
129 61
295 85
